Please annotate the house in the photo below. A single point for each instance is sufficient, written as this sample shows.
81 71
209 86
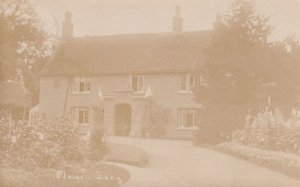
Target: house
116 79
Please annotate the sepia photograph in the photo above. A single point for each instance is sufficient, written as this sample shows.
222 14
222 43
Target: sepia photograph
149 93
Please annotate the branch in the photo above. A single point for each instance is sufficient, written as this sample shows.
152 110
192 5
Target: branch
2 14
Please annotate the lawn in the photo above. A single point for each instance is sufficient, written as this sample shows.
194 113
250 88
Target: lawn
127 154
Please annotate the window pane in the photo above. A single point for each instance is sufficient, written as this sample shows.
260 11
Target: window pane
190 119
88 85
134 83
187 117
86 116
192 80
140 83
198 79
75 85
184 118
81 117
183 82
181 118
82 85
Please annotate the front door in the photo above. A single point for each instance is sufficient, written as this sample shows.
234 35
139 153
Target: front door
122 119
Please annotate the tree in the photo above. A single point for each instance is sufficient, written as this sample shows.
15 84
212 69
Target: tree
24 46
285 58
22 41
237 71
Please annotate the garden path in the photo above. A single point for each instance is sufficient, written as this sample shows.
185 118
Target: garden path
176 163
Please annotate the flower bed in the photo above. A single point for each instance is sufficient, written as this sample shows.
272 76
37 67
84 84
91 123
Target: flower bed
286 163
83 175
54 154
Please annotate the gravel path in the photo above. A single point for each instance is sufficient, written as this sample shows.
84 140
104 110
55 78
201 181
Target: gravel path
175 163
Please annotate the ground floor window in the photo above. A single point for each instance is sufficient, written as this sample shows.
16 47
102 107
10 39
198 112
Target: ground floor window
34 118
80 115
188 118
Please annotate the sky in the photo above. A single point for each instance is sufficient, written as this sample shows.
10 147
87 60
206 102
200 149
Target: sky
109 17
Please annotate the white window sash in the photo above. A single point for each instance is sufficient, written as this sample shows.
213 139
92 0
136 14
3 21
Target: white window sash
79 115
137 83
182 82
140 86
80 85
183 118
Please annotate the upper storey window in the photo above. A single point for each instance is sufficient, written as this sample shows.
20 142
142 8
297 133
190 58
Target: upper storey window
183 83
195 79
137 83
80 85
187 82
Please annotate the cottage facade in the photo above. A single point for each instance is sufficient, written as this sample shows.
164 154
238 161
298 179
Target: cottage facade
114 81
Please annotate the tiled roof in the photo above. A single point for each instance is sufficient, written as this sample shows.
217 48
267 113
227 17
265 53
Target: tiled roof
150 53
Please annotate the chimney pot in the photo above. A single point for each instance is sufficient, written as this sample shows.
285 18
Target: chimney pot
177 20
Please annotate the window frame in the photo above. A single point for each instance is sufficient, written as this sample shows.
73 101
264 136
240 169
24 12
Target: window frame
75 115
34 118
195 78
139 83
190 81
80 85
183 86
182 118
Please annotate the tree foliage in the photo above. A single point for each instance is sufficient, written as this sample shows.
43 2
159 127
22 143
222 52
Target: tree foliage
22 40
243 70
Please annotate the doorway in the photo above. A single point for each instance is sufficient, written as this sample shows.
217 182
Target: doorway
122 118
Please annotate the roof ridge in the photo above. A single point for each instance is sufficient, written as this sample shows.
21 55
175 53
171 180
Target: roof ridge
141 34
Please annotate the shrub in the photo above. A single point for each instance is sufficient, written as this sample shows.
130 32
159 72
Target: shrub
46 145
158 120
286 163
270 130
97 144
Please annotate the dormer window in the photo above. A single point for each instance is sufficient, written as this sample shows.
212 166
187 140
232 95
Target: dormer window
137 83
80 85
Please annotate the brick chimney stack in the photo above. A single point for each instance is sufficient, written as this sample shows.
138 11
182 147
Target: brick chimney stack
177 20
67 32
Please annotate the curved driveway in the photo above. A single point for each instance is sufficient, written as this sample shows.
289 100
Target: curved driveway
176 163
